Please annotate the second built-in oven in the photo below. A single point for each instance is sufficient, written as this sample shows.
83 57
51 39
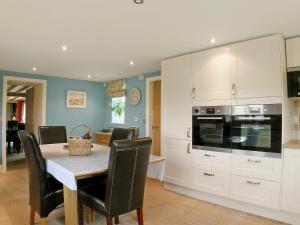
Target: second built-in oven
256 130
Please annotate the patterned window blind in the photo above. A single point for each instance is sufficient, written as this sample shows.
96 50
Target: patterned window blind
116 88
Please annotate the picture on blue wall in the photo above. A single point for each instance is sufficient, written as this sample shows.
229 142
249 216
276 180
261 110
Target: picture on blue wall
76 99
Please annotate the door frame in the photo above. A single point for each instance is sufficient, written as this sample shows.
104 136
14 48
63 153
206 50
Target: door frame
6 79
148 81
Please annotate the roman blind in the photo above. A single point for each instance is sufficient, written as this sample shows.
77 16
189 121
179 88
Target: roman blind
116 88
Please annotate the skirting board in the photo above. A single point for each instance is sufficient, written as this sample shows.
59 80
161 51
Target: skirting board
281 216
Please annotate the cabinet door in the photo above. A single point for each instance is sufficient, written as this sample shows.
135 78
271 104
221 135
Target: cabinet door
259 70
176 169
213 73
291 181
293 52
176 78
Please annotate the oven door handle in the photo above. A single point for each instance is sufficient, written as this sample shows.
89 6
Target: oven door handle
261 118
209 118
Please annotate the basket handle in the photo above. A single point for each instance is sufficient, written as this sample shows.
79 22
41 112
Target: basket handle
74 128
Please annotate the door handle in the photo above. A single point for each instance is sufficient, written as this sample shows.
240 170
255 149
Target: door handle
233 89
254 161
208 174
188 133
188 148
193 92
207 155
254 183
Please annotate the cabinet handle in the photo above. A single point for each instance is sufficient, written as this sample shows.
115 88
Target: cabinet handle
209 174
193 92
251 182
207 155
254 161
233 89
188 148
188 133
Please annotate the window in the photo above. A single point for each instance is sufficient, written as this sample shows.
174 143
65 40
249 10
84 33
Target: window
118 110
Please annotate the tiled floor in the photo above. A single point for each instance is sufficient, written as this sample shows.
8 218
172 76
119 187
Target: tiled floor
160 207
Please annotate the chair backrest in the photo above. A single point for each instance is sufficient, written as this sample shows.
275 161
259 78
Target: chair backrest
127 170
52 134
36 168
121 134
136 132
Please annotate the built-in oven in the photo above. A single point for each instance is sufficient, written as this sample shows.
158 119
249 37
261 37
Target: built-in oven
256 130
212 128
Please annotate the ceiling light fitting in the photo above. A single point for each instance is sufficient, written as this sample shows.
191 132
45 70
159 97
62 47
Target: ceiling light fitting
212 40
138 1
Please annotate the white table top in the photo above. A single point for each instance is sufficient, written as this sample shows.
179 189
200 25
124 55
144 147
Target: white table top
67 168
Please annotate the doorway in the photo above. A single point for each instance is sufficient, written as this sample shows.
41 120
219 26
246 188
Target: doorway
153 112
24 108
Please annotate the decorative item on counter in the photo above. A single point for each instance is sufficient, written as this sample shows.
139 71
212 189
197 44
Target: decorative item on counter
79 146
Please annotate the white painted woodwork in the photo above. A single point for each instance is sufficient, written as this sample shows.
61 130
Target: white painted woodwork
210 181
216 161
257 167
177 161
255 191
259 70
213 73
293 52
291 181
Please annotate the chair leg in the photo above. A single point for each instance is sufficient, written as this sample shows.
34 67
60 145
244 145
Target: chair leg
109 221
31 215
90 215
117 220
80 213
140 216
43 221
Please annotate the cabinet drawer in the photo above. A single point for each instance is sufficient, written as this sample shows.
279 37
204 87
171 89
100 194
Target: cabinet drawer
213 182
216 161
257 167
255 191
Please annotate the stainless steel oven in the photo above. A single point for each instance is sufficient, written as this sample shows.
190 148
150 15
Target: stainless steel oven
212 128
256 130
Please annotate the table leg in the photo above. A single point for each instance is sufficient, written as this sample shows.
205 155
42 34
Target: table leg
70 202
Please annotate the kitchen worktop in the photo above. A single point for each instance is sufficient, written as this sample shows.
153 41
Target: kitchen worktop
292 144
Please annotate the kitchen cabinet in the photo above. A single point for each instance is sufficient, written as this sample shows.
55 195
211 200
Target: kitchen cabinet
293 52
213 73
291 181
177 161
259 67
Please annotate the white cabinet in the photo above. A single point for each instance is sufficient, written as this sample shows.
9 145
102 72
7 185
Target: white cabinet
255 191
177 161
291 181
259 67
213 73
293 52
257 167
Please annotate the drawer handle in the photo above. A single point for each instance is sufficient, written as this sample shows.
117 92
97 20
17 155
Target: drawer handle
254 161
207 155
251 182
209 174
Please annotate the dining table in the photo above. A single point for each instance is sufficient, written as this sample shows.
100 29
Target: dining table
69 169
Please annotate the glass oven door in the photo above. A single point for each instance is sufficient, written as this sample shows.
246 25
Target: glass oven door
257 133
212 131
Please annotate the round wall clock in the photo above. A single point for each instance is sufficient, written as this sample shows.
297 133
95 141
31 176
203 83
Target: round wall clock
134 96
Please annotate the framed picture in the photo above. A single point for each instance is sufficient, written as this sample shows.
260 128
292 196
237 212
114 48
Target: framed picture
76 99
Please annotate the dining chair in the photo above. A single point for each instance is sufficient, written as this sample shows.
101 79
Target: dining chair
123 190
45 192
52 134
121 134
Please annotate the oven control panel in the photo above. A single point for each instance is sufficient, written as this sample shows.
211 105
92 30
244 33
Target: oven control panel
211 110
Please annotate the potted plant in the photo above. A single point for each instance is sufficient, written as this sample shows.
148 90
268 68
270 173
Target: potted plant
118 108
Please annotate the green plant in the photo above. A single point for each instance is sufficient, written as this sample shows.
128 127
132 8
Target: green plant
118 108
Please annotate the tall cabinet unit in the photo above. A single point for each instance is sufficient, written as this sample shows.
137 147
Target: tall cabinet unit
176 118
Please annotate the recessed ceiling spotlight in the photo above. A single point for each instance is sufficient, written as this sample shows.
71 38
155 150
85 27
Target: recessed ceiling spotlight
131 63
212 40
34 68
138 1
89 76
64 48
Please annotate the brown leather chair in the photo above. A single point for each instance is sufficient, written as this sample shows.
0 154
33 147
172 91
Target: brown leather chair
121 134
123 190
52 134
45 192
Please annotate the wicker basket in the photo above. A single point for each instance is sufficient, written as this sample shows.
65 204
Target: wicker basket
77 145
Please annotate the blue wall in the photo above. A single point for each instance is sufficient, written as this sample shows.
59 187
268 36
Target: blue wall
131 111
57 113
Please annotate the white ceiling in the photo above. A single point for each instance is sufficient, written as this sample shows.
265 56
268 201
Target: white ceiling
104 35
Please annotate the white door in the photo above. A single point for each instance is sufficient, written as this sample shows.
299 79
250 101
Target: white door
177 155
176 78
291 181
213 73
259 70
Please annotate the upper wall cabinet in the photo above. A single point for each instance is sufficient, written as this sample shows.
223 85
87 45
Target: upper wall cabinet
213 72
176 78
259 67
293 52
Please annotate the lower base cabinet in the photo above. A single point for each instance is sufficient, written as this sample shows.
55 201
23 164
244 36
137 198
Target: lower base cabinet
255 191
